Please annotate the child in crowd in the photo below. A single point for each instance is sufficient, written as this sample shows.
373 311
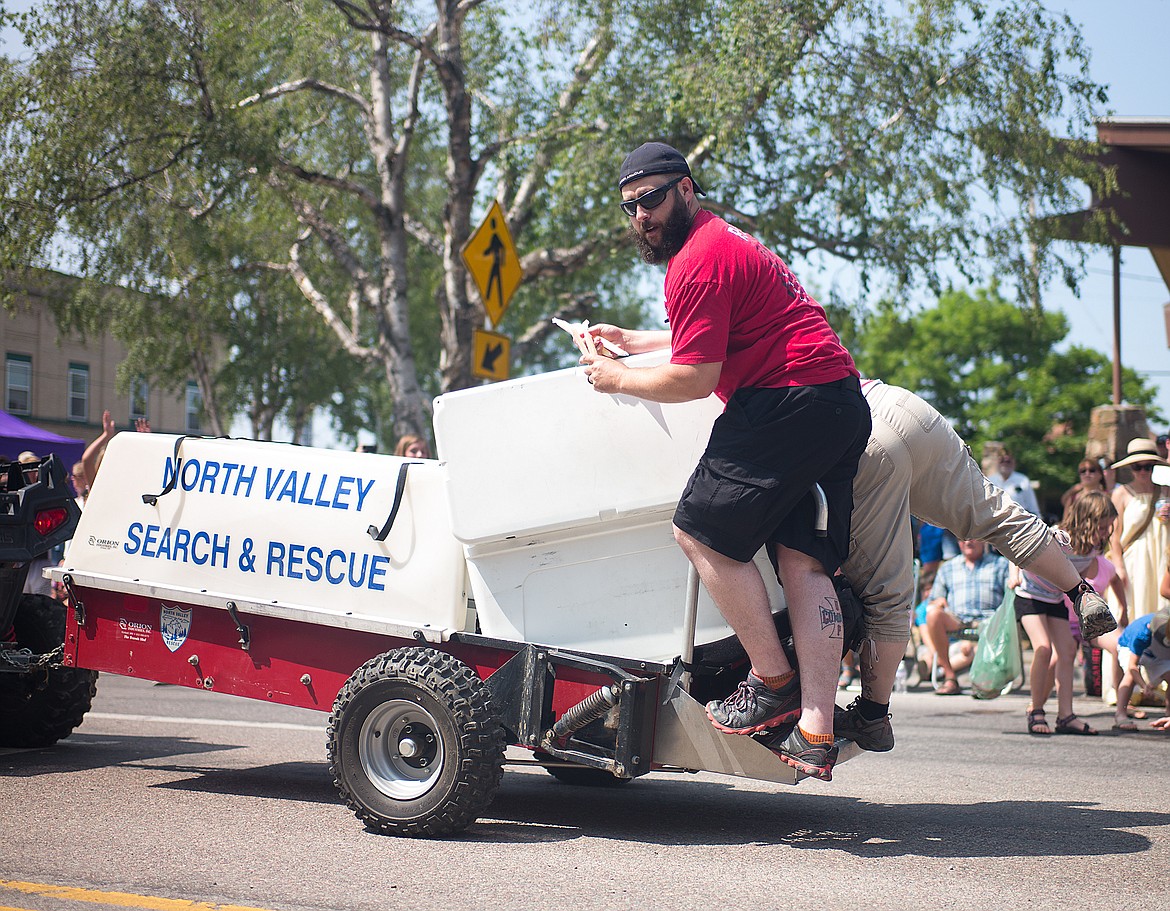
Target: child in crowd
1042 611
1144 653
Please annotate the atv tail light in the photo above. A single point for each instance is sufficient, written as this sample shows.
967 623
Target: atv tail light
49 519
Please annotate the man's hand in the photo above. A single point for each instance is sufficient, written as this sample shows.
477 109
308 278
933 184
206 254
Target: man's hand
612 334
603 372
664 383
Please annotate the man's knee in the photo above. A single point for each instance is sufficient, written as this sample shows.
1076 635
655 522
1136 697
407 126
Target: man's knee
941 622
694 548
791 561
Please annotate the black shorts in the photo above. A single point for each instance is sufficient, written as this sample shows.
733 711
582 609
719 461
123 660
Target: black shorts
753 485
1026 606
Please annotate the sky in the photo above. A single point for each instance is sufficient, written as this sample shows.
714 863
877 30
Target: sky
1127 40
1128 43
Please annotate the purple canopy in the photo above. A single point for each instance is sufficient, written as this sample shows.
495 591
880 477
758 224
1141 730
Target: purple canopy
16 436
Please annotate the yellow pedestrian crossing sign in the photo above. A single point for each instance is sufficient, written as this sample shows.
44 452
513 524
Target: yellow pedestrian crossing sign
490 352
491 259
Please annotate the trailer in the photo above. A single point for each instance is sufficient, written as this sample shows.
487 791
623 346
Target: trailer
522 589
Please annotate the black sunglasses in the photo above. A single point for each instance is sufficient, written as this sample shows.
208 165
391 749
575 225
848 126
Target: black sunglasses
651 200
1146 467
1090 471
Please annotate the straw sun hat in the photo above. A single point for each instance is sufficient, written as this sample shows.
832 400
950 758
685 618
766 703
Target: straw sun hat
1140 450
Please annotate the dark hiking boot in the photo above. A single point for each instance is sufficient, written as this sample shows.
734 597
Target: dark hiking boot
812 759
1093 613
875 736
754 707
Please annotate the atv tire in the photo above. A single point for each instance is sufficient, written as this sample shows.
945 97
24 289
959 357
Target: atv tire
415 747
42 706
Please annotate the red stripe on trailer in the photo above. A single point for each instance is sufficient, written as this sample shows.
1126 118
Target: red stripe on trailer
289 662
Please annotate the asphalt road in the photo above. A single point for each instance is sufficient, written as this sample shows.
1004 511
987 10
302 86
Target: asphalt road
180 800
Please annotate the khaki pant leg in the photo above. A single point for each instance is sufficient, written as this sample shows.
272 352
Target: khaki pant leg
949 490
880 566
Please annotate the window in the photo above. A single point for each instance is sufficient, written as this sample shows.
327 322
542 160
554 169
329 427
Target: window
194 407
78 392
18 384
139 400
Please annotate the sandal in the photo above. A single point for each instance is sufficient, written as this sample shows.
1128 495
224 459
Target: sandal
1071 724
1037 723
949 687
1125 727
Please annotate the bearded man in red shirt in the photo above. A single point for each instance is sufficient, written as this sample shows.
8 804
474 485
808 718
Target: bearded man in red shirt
742 326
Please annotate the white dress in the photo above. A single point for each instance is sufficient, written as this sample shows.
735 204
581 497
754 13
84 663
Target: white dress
1145 558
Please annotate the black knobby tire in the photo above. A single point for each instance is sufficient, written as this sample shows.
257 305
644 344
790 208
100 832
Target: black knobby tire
579 775
415 747
45 705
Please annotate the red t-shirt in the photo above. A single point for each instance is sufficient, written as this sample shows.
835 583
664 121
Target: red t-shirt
731 299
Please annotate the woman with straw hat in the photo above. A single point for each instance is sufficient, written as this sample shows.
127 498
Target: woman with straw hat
1142 531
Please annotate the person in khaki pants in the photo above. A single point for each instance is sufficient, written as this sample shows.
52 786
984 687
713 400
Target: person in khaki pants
915 464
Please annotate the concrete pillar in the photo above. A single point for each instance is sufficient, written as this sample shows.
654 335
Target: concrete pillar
1111 427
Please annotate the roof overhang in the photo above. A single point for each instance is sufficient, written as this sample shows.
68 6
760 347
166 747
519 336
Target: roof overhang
1136 213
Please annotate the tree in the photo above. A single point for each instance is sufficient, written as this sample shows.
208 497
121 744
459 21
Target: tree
993 369
876 132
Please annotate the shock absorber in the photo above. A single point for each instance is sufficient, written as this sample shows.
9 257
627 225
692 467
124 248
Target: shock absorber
588 709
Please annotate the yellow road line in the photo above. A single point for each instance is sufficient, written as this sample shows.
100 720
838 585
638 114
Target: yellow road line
118 899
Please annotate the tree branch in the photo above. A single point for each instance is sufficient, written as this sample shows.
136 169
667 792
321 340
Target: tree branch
466 6
321 304
423 234
133 179
410 122
366 195
338 247
301 85
588 62
359 19
548 263
705 146
907 106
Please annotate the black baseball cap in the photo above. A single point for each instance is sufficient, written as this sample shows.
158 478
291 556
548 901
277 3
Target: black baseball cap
655 158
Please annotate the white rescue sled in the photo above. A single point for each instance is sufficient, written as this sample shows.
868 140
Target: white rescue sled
525 588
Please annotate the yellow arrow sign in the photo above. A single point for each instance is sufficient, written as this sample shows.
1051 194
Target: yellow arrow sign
491 259
491 352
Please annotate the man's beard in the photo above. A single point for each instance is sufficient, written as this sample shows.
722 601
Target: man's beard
674 234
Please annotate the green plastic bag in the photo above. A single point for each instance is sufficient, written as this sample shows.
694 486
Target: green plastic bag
998 665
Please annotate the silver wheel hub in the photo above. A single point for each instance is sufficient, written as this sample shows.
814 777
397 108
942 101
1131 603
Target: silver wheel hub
400 749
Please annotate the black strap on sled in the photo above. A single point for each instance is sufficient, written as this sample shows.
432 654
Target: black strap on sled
152 498
379 534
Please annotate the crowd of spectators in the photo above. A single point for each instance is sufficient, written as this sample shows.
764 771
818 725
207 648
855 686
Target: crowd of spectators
1115 527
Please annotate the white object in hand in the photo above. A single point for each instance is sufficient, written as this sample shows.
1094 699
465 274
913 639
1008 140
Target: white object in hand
578 330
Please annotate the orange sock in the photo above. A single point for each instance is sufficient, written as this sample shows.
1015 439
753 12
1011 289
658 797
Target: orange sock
774 683
815 738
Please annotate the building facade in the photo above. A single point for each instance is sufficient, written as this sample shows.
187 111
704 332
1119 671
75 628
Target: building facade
62 383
